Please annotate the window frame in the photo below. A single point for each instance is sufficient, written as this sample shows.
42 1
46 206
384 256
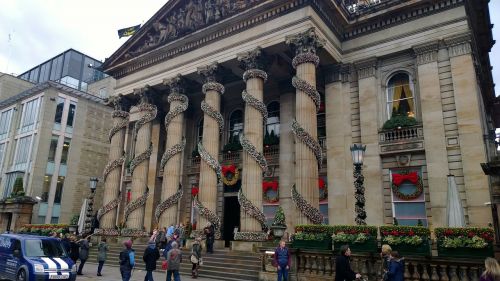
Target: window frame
412 85
229 130
422 200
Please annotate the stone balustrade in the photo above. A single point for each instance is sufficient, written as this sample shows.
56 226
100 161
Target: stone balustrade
320 265
401 140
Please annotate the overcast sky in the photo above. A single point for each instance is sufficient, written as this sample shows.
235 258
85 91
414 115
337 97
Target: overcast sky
32 31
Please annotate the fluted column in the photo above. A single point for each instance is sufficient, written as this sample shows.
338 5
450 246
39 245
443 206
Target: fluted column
134 211
171 192
112 172
252 218
210 169
308 156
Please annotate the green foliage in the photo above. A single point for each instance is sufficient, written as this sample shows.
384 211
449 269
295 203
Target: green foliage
399 120
398 230
271 139
310 236
18 189
475 242
279 217
233 144
464 237
419 223
397 240
334 229
74 220
350 238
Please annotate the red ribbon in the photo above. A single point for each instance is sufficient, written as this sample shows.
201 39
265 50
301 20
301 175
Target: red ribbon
228 169
194 191
129 196
398 179
321 183
266 185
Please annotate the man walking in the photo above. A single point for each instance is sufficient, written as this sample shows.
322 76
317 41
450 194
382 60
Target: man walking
151 255
174 259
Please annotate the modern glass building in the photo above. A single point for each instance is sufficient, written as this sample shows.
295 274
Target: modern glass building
70 68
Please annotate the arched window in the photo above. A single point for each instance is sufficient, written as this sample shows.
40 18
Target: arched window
199 131
400 97
273 119
235 126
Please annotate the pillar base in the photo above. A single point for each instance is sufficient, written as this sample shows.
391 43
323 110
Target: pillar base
245 246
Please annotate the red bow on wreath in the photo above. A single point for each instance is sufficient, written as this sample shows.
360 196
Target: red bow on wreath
266 185
321 183
195 191
398 179
228 169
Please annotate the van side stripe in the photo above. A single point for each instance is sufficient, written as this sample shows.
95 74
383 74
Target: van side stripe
50 263
62 263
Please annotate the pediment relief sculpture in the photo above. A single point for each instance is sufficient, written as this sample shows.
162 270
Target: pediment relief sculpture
189 17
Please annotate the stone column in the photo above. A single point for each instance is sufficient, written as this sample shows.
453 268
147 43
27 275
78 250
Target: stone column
171 162
434 133
112 172
470 116
253 220
308 154
338 142
134 211
210 169
372 171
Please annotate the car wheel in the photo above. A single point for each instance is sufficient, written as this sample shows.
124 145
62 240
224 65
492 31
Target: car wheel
21 275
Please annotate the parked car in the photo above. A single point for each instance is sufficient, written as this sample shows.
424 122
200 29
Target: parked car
30 258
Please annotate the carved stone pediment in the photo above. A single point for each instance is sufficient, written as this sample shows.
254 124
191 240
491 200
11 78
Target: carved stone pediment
175 20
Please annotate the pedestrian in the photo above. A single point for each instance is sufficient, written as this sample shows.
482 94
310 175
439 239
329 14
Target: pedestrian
127 260
163 238
181 236
174 259
396 267
492 270
158 238
151 255
153 236
210 234
196 257
282 260
66 244
343 270
102 255
170 230
385 254
74 252
84 253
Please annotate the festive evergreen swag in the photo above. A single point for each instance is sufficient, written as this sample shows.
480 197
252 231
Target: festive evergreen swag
233 144
18 189
310 236
409 235
279 217
74 220
44 229
464 237
353 233
399 119
271 139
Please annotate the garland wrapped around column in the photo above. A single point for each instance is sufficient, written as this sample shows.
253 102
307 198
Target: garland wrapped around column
305 61
139 202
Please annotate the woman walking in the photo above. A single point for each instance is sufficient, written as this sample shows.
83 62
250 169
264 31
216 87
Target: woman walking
102 255
151 255
492 270
196 257
84 254
396 267
174 259
343 270
385 254
127 260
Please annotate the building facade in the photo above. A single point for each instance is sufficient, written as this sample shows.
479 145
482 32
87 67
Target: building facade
225 110
53 137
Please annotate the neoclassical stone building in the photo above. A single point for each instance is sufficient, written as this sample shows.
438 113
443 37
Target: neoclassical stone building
215 97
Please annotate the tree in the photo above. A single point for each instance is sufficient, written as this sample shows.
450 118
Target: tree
279 217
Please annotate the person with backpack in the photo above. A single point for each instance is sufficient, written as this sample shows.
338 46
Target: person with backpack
396 267
84 253
282 260
102 254
151 255
196 257
127 260
174 259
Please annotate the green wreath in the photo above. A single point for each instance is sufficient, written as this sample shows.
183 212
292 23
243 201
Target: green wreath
418 183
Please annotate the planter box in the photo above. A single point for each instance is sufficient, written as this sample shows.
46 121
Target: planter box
469 253
370 246
312 244
409 250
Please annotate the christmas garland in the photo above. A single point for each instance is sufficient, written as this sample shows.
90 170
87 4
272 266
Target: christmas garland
169 202
108 207
250 236
139 202
252 210
209 216
270 185
305 208
230 169
322 187
414 178
120 124
106 232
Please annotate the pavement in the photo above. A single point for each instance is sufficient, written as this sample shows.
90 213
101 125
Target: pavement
112 273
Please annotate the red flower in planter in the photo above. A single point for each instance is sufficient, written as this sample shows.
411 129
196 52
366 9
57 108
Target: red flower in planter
411 233
470 234
395 233
385 233
448 232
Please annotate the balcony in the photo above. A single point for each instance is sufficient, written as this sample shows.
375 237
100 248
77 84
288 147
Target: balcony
401 140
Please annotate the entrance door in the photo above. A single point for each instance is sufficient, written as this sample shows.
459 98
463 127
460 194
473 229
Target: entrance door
231 218
9 221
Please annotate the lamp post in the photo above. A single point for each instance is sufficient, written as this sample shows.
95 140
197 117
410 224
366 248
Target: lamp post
358 152
90 203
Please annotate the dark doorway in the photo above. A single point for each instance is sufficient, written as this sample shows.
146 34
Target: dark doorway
231 218
9 221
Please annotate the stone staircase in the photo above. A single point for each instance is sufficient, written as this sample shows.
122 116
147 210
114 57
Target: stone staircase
222 265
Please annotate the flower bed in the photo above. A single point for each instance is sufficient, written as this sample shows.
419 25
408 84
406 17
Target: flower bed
303 240
466 242
44 229
359 238
407 240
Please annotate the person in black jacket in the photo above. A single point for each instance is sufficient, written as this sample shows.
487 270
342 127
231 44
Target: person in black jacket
151 255
343 270
74 252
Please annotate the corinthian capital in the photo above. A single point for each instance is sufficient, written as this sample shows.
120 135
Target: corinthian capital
209 72
305 42
145 94
120 103
254 59
176 84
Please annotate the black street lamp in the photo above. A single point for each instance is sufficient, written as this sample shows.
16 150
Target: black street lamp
90 203
358 153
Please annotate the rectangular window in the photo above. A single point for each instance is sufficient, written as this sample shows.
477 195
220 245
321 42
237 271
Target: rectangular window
65 151
52 148
5 119
9 182
29 115
408 196
59 110
44 72
23 147
71 114
59 190
3 146
46 188
55 72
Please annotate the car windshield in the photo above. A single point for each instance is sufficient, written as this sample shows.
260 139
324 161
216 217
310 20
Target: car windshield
44 248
